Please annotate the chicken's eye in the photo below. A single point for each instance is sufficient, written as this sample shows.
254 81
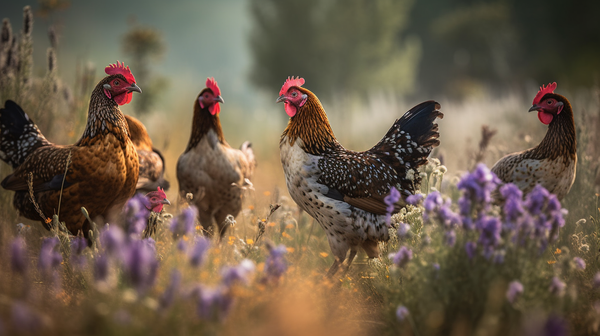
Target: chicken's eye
549 101
294 94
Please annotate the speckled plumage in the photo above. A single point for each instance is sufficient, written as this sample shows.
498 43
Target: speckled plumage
212 171
102 174
552 163
152 163
344 190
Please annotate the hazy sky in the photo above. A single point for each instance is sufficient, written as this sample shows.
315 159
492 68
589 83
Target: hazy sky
203 38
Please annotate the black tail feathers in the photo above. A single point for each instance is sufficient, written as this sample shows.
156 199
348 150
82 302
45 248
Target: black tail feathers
19 136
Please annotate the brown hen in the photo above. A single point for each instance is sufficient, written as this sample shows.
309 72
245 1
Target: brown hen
553 162
103 169
210 169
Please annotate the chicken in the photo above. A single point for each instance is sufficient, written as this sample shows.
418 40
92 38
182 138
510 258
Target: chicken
552 163
344 190
156 200
152 163
99 172
210 169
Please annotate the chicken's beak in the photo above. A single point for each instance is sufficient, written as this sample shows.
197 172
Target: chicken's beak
134 87
281 98
535 107
219 99
166 201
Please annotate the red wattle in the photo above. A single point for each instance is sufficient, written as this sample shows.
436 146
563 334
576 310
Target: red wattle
124 98
290 109
545 117
214 108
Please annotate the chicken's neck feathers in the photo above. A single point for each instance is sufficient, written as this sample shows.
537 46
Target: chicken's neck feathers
312 126
203 122
104 117
560 139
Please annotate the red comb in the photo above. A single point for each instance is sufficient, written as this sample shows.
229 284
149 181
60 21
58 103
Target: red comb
120 68
211 83
543 91
291 81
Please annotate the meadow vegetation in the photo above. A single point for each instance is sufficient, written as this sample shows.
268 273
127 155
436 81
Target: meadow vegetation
456 264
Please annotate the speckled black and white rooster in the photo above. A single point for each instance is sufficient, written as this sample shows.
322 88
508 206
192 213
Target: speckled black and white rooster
344 190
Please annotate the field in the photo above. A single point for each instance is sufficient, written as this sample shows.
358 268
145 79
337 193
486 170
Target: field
532 271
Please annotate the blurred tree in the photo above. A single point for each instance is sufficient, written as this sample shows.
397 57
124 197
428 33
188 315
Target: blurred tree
145 45
502 44
337 45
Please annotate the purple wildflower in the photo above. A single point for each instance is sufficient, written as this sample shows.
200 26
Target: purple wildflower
432 201
101 268
24 319
18 256
557 287
242 272
78 244
199 251
515 289
414 199
402 313
447 216
450 238
479 184
140 265
579 263
213 302
113 240
136 214
470 248
535 200
167 298
50 258
402 257
513 205
490 227
499 256
596 282
556 326
275 264
403 230
390 200
185 222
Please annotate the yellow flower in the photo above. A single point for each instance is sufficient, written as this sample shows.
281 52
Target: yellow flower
251 207
267 193
558 251
290 226
249 241
324 254
290 249
285 235
231 240
271 224
550 262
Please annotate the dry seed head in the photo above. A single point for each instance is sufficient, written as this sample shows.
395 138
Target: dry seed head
27 20
6 34
52 37
51 60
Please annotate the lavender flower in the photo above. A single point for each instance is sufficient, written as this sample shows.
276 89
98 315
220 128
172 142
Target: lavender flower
24 319
479 185
536 199
101 268
113 240
402 313
513 207
242 272
579 263
140 265
390 200
50 258
490 227
596 282
557 287
78 244
432 201
185 222
199 251
275 264
167 298
136 214
515 289
414 199
403 230
556 326
213 302
402 257
470 249
18 256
